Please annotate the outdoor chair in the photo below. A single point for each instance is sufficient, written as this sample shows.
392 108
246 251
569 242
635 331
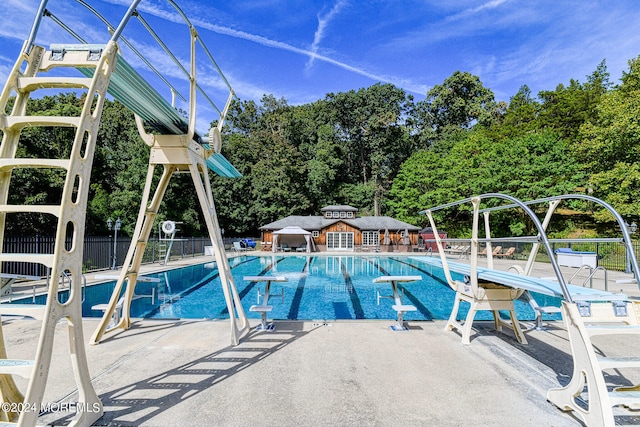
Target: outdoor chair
237 247
285 248
507 254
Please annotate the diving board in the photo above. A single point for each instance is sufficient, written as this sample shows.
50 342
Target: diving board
97 70
518 281
586 312
134 92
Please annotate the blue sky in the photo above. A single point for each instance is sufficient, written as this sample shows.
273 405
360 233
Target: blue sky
303 49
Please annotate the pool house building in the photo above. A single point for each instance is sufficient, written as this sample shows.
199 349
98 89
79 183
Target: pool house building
339 228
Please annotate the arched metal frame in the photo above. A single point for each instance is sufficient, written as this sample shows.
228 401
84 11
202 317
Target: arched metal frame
542 238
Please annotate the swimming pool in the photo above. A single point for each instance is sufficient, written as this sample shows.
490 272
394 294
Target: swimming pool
322 287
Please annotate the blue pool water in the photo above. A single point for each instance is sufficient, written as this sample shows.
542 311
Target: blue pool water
318 288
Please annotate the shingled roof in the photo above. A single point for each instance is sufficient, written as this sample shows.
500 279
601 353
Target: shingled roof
345 208
311 223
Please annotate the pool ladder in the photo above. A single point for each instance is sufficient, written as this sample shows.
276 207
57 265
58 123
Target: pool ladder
592 272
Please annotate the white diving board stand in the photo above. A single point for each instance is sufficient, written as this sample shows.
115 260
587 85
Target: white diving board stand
264 307
35 311
7 281
398 306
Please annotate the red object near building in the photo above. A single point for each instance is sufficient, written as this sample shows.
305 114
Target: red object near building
428 237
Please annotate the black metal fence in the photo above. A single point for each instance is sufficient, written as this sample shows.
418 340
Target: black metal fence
610 255
98 252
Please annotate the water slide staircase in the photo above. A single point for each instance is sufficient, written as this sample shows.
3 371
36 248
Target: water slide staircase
97 70
597 385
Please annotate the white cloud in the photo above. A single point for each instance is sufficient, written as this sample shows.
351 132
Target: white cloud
323 22
474 10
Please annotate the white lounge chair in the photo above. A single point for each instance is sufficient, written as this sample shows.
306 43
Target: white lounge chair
238 247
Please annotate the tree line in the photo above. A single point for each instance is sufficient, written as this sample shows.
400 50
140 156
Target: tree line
375 148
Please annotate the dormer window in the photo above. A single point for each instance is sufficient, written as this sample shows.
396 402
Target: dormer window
327 214
336 214
349 214
343 214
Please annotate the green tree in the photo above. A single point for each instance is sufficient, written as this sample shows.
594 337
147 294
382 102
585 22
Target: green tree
461 101
528 167
567 108
273 169
609 144
370 125
521 114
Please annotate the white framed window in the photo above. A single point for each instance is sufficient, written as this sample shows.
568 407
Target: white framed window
315 233
349 214
370 238
340 241
336 214
343 214
328 214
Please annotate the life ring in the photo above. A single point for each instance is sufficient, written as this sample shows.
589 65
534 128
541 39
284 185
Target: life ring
215 140
169 227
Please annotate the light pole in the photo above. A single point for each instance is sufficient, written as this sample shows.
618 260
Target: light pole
633 227
115 228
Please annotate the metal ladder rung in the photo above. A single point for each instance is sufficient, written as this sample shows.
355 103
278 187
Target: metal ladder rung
44 259
27 310
20 122
46 209
29 84
23 163
624 397
619 362
22 368
617 329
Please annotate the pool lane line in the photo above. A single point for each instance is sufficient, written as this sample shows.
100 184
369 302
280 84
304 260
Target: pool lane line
443 282
407 293
204 281
294 309
210 277
353 294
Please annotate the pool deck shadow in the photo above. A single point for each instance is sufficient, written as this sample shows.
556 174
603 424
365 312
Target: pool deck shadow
338 373
164 373
144 400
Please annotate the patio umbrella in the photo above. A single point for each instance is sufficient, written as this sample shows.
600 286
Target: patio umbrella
387 240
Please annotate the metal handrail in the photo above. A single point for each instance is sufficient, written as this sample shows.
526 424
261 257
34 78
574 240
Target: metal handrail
626 236
536 221
592 272
116 35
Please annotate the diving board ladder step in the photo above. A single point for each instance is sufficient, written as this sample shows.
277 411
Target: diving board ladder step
594 330
20 122
44 259
619 362
23 368
602 318
35 311
30 84
627 398
69 212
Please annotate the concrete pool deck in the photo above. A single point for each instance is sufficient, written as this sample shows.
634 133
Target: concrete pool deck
339 373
